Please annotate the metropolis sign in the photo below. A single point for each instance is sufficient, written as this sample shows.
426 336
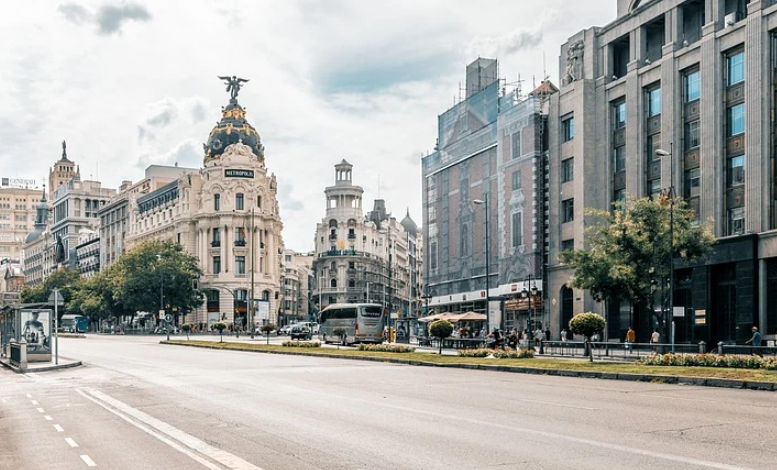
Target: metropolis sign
238 173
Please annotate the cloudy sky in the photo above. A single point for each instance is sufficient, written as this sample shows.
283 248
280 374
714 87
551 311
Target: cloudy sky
129 84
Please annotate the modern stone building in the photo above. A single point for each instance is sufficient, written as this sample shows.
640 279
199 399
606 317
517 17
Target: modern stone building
695 78
115 215
360 258
18 200
226 215
88 253
490 148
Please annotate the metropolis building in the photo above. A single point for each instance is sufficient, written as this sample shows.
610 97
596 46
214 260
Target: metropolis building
698 80
227 215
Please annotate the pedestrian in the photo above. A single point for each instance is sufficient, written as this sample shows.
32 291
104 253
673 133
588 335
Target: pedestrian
655 338
547 334
564 335
755 341
631 336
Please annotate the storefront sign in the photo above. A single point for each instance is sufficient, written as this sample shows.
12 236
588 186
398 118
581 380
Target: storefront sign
17 183
701 317
232 173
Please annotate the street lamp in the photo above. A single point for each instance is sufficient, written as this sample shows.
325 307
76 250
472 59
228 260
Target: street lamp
161 298
663 153
484 201
529 293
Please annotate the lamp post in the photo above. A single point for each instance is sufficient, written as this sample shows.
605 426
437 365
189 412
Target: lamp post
484 201
161 298
529 293
663 153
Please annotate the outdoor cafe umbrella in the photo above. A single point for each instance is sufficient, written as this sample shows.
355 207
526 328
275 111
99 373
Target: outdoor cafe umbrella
469 316
437 316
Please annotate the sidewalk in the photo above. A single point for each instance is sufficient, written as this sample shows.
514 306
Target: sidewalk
64 363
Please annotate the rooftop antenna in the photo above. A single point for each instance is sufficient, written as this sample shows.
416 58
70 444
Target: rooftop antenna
544 67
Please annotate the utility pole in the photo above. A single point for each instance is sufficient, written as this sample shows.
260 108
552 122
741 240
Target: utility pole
251 307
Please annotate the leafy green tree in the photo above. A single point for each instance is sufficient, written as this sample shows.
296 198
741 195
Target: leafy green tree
68 281
341 333
153 271
221 327
441 329
587 324
629 249
186 329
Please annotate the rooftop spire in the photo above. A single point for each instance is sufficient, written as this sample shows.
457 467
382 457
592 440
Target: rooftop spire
64 151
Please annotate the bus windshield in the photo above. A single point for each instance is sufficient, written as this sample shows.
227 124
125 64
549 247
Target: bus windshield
372 311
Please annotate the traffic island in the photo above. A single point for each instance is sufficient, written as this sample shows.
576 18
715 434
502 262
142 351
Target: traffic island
700 376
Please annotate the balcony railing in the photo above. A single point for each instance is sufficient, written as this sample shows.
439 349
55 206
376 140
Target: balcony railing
240 243
215 243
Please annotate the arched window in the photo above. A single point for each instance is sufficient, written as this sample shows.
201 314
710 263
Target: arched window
333 283
333 223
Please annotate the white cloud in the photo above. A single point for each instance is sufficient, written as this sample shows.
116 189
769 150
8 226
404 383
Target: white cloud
364 81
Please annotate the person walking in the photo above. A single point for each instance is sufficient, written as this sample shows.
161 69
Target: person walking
564 335
755 341
655 338
631 336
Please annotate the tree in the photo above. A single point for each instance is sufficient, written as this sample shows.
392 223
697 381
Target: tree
341 333
157 274
587 324
267 328
68 281
630 251
221 327
441 329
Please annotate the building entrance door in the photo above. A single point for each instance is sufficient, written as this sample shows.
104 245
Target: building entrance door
725 306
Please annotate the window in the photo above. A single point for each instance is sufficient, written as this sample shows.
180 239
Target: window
692 183
692 134
517 229
736 222
216 264
333 283
653 143
217 202
736 68
654 188
516 145
619 115
351 282
516 180
736 120
567 245
258 202
619 158
239 203
619 196
568 128
433 255
567 170
654 102
735 173
216 237
351 265
567 210
692 86
240 264
240 236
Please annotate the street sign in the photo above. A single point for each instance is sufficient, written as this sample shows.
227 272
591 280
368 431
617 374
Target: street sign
161 313
56 298
168 318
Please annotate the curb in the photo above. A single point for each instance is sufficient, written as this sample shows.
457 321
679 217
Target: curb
42 369
667 379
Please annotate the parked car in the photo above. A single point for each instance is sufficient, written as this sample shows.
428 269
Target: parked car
284 330
300 332
314 327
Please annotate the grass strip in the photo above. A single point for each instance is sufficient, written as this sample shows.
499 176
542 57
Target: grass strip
538 364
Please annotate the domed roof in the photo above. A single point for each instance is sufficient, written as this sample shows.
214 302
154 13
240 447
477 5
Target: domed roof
232 128
409 225
41 217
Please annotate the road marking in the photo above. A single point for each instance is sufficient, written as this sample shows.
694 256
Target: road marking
58 428
70 441
49 418
34 402
29 396
40 410
133 415
89 462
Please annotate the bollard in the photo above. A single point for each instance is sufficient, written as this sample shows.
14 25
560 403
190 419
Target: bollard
720 347
22 355
542 347
702 347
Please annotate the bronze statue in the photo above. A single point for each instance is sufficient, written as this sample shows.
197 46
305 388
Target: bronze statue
233 84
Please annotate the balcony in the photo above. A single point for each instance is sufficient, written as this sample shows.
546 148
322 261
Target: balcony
240 243
333 236
215 243
351 236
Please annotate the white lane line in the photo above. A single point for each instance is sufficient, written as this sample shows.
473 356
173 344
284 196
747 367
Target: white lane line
29 396
71 442
58 428
34 402
49 418
89 462
40 410
130 414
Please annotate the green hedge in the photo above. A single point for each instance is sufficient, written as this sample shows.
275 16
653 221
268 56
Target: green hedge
392 348
301 344
497 353
711 360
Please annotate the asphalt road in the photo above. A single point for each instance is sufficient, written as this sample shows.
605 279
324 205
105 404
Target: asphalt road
140 405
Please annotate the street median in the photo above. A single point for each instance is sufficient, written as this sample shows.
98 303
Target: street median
701 376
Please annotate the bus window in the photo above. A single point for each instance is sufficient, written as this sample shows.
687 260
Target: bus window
346 313
372 311
323 316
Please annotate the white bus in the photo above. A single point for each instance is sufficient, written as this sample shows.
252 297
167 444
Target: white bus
363 323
